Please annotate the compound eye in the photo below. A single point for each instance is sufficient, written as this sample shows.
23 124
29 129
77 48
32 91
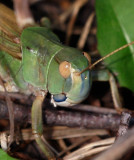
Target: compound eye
64 69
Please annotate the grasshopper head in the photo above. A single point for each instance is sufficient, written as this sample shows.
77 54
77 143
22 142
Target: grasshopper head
79 84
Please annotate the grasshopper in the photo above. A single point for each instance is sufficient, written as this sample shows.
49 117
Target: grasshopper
34 61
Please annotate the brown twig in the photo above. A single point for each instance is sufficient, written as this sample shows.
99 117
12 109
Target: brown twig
81 119
124 123
63 117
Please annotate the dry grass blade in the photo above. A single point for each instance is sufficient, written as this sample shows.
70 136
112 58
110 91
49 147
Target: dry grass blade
3 141
59 132
9 32
79 142
66 132
8 44
16 95
63 146
119 148
85 31
89 153
23 18
89 150
11 113
66 14
8 22
77 6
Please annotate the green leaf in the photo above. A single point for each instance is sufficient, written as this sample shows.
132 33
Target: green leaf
5 156
115 27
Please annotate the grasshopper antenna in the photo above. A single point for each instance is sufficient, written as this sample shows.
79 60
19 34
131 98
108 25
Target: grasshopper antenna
108 55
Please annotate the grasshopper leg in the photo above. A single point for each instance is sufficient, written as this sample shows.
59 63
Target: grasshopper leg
37 126
115 93
104 75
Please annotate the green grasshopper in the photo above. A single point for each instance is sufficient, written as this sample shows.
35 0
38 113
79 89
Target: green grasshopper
33 61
